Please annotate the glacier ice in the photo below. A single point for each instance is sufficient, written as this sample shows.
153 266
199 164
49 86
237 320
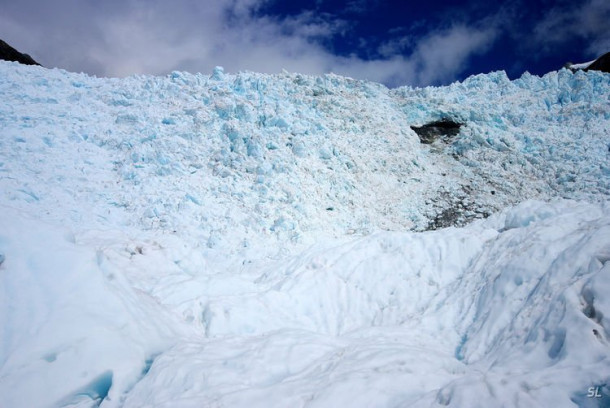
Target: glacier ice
258 240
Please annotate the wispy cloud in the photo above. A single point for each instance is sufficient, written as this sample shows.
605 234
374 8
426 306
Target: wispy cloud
588 21
360 6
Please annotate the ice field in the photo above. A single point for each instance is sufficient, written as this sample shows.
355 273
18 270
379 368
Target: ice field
257 240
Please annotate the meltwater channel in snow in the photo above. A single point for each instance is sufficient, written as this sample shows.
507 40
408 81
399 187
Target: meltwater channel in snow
286 240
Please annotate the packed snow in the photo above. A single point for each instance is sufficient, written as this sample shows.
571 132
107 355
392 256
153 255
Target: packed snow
287 241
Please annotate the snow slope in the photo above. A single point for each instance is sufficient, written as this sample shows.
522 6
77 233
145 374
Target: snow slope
252 240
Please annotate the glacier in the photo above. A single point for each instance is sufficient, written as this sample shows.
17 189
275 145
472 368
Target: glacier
232 240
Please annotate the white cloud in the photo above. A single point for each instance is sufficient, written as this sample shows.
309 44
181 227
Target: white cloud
443 55
395 46
156 37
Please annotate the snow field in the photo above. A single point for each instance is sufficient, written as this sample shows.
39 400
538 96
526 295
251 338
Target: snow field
511 310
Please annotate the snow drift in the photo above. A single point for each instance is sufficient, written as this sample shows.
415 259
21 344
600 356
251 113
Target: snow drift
255 240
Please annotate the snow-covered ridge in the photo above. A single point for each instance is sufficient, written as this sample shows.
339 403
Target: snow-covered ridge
249 240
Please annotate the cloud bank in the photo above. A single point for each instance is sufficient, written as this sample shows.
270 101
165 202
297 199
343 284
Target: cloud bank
119 38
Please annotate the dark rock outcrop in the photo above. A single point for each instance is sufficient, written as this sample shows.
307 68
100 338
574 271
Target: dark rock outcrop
601 64
443 129
8 53
456 209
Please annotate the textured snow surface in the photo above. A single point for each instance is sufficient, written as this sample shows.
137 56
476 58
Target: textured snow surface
252 240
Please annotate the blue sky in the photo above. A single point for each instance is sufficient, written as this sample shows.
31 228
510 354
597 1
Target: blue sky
417 43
